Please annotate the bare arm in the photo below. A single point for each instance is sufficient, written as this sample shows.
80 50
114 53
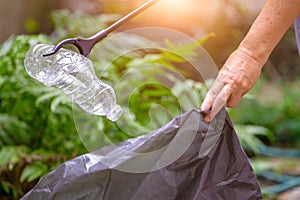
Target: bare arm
242 69
270 26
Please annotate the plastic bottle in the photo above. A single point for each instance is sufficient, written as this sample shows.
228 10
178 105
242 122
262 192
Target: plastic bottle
75 76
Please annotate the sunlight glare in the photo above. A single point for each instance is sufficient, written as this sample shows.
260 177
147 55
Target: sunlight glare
175 5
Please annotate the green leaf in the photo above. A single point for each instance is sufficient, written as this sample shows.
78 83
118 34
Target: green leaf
5 138
63 99
48 96
181 51
147 59
6 46
13 130
262 164
248 135
6 153
33 171
6 188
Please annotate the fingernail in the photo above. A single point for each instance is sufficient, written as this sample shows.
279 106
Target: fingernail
206 114
207 118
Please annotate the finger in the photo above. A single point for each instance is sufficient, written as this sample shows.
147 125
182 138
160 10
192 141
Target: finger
206 115
207 118
235 98
221 100
211 94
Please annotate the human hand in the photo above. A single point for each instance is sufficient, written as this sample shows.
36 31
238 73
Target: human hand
238 75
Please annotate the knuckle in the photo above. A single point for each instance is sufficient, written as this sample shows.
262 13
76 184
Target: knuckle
244 85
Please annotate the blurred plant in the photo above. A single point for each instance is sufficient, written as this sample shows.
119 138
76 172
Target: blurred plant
37 130
31 25
31 134
20 167
281 117
79 24
251 136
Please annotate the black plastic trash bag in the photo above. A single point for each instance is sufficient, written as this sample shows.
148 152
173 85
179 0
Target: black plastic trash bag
185 159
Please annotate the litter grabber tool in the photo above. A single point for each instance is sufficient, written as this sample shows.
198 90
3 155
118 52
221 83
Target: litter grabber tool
85 45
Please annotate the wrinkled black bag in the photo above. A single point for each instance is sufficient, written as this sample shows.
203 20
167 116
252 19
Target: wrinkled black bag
213 166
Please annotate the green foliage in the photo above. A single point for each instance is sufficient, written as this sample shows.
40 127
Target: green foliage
152 104
261 164
20 167
33 171
13 130
281 117
31 25
27 125
22 113
37 129
149 95
179 51
250 136
79 24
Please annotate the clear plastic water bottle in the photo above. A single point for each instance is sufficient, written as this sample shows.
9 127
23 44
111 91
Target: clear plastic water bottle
73 74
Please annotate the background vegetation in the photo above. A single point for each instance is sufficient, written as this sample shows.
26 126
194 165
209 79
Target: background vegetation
37 128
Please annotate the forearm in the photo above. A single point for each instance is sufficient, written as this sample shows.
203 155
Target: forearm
269 27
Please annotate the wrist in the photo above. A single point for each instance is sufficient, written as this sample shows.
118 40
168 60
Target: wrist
258 56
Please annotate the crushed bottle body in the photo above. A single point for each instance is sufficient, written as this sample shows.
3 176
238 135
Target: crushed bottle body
73 74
